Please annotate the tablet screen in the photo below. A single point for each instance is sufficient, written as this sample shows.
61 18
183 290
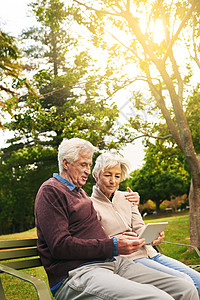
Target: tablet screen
151 231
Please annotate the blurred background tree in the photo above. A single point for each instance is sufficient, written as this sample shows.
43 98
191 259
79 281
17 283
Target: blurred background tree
9 73
67 101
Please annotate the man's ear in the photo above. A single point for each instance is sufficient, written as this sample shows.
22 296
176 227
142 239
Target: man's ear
65 164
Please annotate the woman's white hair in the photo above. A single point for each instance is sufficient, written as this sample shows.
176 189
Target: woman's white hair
108 160
69 149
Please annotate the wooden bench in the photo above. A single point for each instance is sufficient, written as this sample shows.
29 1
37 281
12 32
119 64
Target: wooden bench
16 255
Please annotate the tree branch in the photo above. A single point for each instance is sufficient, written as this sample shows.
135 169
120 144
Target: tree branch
178 76
128 5
161 104
98 10
150 136
2 88
128 83
184 21
126 47
195 57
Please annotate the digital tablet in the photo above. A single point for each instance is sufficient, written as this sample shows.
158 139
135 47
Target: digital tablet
151 231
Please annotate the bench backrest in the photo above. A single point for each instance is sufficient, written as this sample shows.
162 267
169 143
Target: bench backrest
19 254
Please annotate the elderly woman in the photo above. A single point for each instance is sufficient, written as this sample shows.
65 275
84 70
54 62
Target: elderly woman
119 216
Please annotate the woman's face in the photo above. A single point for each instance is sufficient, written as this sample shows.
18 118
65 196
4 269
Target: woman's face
109 180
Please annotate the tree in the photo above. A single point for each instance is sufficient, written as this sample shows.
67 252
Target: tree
12 78
164 158
132 25
22 171
164 174
157 186
9 69
67 102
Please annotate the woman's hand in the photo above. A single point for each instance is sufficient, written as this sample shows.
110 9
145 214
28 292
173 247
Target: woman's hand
159 240
133 197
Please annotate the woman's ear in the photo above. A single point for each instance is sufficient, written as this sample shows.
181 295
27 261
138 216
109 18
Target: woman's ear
96 179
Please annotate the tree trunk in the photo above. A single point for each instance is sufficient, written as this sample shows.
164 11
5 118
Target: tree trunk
158 206
194 200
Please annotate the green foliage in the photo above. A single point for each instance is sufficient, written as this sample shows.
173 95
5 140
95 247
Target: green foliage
9 54
21 172
166 157
163 175
158 186
9 72
148 207
51 36
68 102
193 116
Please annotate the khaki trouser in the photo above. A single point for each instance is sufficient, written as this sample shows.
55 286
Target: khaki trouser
124 279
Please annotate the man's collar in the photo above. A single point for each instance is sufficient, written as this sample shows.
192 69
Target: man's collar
68 183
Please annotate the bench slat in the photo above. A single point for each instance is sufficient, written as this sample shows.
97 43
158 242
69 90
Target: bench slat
18 253
9 244
23 264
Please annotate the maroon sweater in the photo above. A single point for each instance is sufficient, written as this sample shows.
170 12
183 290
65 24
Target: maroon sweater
69 233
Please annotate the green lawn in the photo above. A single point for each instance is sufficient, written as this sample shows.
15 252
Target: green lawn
176 231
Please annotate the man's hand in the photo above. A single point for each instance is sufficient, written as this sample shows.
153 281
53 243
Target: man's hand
129 243
159 240
133 197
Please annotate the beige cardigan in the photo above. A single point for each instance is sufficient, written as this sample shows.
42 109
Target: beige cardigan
119 216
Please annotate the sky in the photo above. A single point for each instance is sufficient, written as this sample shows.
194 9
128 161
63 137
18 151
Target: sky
15 16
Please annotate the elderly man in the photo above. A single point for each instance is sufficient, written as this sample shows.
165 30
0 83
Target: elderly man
80 259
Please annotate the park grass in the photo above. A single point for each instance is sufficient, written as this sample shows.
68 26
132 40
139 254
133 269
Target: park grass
177 231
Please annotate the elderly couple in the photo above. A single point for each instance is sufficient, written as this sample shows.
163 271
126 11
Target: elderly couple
89 246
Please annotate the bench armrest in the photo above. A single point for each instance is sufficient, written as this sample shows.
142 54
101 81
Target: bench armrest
191 246
195 267
40 285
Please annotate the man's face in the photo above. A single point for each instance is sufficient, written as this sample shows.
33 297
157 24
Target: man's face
78 171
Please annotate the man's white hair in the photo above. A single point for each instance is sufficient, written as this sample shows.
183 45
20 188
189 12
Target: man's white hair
69 149
108 160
